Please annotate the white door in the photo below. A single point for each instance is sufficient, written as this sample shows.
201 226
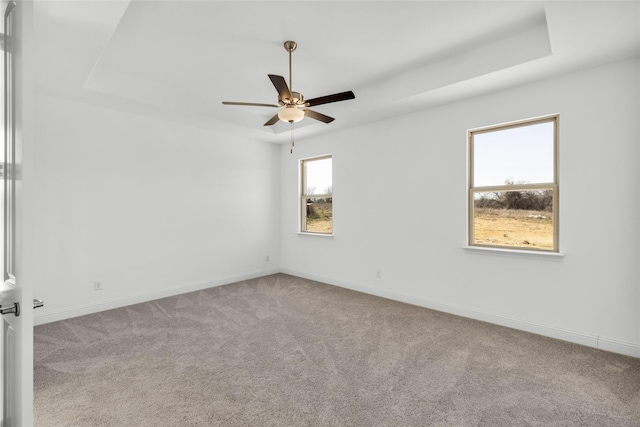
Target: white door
16 297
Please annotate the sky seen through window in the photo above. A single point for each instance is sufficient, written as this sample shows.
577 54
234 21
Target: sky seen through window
529 150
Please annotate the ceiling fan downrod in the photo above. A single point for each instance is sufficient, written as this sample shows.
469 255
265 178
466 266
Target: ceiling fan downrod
290 46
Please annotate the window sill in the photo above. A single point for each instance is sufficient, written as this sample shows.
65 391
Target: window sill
514 253
306 233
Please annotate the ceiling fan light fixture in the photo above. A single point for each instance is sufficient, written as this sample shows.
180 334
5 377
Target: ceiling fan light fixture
291 114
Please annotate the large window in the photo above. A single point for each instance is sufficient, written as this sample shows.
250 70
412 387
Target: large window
513 185
316 195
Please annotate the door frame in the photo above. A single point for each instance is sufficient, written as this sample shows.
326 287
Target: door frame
20 411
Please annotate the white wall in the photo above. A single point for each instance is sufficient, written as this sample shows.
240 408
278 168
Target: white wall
153 207
400 206
148 207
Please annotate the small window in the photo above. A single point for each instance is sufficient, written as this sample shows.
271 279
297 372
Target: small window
513 185
316 200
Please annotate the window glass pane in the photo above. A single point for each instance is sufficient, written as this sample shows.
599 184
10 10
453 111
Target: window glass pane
517 155
319 215
522 219
319 176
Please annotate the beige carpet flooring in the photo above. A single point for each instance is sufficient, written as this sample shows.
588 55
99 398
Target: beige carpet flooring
284 351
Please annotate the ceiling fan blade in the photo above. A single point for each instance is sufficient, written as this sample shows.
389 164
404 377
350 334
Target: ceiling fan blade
273 120
281 86
342 96
318 116
251 104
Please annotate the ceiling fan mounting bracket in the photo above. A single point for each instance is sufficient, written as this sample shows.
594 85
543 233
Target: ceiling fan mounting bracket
290 46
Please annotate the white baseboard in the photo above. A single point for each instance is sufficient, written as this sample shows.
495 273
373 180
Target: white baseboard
599 342
85 309
620 347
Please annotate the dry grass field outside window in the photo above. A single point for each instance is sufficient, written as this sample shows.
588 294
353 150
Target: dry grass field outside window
513 228
320 217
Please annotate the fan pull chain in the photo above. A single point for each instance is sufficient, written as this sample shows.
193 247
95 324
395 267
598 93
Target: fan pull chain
292 143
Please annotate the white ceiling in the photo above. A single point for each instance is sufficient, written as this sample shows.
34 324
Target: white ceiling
178 60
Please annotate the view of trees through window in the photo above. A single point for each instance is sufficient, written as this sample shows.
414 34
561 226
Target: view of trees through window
317 195
320 215
513 186
514 218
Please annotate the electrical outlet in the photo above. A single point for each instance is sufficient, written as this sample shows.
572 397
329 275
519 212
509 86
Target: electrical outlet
97 285
379 274
266 258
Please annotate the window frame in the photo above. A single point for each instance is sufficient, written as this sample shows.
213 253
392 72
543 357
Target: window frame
554 186
303 196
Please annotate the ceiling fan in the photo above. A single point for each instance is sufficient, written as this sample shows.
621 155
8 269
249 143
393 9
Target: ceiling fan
293 106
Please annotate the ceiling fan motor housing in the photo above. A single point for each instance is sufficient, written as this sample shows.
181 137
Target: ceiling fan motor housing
298 99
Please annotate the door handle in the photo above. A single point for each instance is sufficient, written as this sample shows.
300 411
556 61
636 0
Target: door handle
15 309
